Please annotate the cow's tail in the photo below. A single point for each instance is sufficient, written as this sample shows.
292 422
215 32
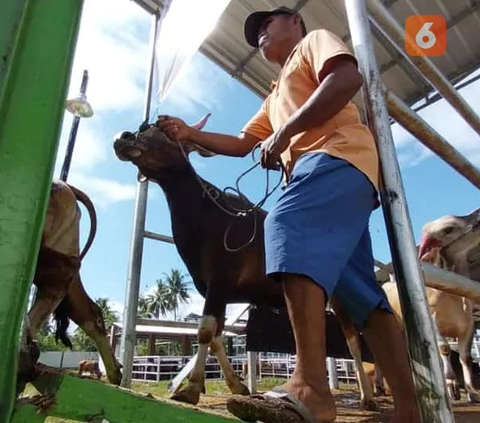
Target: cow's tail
61 318
85 200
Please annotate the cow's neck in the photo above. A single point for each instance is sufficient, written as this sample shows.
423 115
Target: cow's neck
185 196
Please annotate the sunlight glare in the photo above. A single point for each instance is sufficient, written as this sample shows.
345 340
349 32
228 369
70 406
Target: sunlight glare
185 27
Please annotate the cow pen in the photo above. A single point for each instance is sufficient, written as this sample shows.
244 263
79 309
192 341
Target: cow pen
379 104
26 162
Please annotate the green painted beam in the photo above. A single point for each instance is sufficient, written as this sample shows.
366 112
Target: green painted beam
31 110
10 17
87 400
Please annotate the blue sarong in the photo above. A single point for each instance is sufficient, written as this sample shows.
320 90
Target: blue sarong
319 229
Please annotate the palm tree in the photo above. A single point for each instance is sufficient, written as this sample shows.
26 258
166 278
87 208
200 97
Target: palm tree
169 294
159 301
144 307
178 290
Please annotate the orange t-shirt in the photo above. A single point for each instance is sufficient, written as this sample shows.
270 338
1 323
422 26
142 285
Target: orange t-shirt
343 136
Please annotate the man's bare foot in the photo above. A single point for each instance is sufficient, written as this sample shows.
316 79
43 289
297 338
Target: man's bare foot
316 398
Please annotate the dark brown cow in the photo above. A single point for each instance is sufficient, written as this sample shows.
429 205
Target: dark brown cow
57 276
200 229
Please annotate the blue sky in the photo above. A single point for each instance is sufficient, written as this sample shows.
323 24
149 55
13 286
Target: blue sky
113 46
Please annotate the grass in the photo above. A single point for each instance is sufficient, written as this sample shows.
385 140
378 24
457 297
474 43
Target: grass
213 387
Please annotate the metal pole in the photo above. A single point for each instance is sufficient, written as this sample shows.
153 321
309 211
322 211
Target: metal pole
127 343
431 138
73 134
423 351
382 18
44 41
451 282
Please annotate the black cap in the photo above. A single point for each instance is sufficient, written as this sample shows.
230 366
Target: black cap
255 20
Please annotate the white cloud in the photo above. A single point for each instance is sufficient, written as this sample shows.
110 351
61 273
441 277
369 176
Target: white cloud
449 124
110 49
102 192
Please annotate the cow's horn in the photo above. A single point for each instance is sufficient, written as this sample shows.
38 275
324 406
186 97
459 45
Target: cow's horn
201 123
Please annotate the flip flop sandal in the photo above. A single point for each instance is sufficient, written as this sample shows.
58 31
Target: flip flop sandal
275 406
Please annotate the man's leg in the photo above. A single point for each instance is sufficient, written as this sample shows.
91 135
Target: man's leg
386 339
366 303
306 307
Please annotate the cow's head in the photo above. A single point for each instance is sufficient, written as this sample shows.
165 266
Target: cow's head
445 230
152 150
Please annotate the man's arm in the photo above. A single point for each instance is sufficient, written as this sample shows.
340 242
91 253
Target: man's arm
228 145
341 80
255 131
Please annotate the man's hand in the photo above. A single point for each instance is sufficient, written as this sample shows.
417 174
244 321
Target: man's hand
175 128
271 149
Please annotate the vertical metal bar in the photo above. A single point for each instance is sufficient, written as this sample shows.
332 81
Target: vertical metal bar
332 373
30 120
383 19
127 344
252 359
73 134
423 351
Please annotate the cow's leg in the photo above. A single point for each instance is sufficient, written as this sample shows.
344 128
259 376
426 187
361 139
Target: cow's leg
86 314
353 341
464 350
450 378
379 382
53 276
196 381
233 381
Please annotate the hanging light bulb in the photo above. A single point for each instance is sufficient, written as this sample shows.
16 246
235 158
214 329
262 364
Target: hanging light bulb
80 107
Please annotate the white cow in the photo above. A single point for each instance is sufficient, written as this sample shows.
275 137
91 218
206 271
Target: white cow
452 314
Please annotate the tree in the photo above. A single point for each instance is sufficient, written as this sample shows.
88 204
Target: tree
178 290
169 294
144 308
159 301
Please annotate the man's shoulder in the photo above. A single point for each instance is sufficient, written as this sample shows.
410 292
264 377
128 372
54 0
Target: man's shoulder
319 35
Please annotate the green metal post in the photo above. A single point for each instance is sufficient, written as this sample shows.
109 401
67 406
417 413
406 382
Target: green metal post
9 21
32 103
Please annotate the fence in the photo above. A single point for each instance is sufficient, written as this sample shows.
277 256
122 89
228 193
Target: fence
66 359
159 368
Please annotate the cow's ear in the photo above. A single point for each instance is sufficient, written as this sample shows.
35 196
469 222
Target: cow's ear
191 146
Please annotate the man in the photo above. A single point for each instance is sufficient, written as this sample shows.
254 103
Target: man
317 239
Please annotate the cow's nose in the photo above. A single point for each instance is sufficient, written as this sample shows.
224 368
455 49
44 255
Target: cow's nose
124 135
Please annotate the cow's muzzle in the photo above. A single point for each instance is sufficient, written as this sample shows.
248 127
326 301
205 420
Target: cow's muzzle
127 146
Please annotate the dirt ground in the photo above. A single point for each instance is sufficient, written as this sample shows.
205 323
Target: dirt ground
347 408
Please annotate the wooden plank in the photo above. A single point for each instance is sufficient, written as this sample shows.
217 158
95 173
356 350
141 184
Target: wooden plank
87 400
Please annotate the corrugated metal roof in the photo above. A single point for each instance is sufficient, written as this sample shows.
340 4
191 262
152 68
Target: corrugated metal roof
227 47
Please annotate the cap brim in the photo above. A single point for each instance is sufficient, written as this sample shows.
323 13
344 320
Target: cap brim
252 26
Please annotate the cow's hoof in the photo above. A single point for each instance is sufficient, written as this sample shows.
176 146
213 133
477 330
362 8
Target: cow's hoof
368 405
474 397
238 388
454 391
189 395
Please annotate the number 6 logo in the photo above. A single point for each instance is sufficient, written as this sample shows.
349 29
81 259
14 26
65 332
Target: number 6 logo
427 35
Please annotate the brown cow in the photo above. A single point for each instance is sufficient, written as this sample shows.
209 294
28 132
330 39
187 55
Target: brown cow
57 276
90 366
200 229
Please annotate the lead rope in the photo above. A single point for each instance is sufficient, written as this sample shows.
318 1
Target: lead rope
234 212
243 213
